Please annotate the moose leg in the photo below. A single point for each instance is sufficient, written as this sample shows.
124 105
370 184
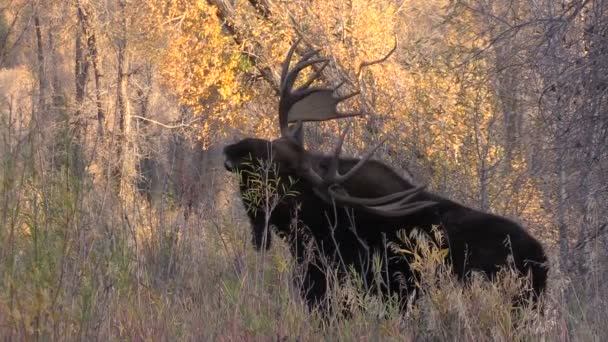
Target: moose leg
314 288
261 236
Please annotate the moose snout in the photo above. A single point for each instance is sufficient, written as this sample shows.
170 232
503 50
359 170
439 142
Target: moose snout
228 165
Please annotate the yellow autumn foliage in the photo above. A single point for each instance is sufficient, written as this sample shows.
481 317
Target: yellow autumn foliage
200 62
431 97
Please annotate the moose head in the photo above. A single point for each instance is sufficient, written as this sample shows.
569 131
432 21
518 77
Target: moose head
309 103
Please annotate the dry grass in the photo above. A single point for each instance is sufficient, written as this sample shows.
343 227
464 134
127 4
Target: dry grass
79 263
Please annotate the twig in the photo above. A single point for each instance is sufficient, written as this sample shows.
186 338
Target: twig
598 232
380 60
181 125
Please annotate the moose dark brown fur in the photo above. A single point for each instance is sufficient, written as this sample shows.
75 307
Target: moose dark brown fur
349 236
341 239
348 209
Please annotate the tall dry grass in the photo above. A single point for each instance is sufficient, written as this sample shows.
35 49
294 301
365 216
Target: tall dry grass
77 262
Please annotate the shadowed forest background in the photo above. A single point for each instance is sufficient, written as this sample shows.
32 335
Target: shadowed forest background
118 220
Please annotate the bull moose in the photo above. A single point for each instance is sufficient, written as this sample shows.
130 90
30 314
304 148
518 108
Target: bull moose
348 209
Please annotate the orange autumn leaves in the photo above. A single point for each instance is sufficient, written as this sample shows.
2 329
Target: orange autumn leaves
424 87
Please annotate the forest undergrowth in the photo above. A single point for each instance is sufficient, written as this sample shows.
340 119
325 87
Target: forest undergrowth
79 262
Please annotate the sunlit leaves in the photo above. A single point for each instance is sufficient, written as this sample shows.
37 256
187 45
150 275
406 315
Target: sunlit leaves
201 63
436 101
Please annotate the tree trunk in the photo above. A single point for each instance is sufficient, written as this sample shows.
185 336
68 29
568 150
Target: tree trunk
562 197
81 75
127 143
85 18
42 82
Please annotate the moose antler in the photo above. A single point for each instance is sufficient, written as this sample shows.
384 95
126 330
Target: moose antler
320 104
329 187
306 103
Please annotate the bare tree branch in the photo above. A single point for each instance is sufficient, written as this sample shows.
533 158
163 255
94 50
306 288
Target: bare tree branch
181 125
